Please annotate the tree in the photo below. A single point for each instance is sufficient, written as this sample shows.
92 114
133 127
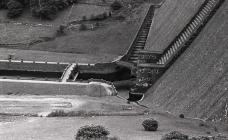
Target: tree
116 5
3 4
15 9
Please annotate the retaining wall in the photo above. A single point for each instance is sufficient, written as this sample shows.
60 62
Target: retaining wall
22 87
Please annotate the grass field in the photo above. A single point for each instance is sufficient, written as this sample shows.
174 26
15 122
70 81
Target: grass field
33 28
114 38
35 55
124 127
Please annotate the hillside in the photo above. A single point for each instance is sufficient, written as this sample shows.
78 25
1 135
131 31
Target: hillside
197 83
113 36
164 27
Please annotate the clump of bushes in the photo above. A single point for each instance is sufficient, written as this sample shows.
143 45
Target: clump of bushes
80 113
116 5
45 9
92 132
175 135
102 16
62 113
15 9
48 9
150 125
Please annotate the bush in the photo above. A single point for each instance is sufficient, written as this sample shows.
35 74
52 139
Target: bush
105 15
14 13
84 18
175 135
82 27
48 9
99 17
62 113
181 116
61 31
150 125
92 17
45 9
92 131
46 12
15 9
116 5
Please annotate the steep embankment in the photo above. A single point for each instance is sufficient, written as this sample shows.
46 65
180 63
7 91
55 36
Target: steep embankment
197 83
164 27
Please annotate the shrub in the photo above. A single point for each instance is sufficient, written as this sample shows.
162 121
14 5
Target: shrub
15 9
48 9
150 125
98 17
82 27
105 15
84 18
47 12
97 24
113 138
62 113
57 113
92 131
92 17
181 116
45 9
13 13
116 5
175 135
61 31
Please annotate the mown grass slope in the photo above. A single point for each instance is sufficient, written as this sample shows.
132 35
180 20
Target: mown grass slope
197 83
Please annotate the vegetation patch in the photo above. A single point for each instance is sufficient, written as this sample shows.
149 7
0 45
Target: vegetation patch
116 5
92 132
150 125
45 9
181 116
83 27
175 135
209 138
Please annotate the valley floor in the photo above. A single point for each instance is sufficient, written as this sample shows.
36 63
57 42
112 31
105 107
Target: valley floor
126 125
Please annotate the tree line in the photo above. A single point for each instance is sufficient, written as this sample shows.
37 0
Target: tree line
45 9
